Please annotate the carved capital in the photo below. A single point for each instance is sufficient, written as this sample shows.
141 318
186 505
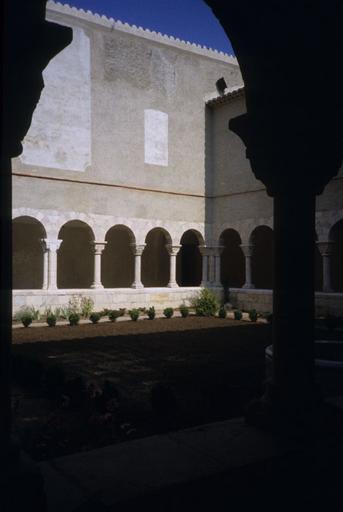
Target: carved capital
173 250
325 248
51 244
98 247
247 249
138 249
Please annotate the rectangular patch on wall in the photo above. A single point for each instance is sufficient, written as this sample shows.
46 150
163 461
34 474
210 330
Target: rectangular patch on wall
155 137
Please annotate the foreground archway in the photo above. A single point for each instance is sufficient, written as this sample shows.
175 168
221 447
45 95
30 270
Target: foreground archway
232 262
155 258
117 268
28 253
262 257
75 258
189 259
336 236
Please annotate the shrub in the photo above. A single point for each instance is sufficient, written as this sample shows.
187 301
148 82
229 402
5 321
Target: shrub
26 320
114 314
206 303
222 312
104 312
86 306
122 311
74 318
168 312
134 314
151 313
51 319
184 310
27 311
237 314
253 315
94 317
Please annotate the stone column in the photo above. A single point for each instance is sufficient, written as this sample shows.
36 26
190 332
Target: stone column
137 251
216 256
45 265
205 265
325 249
173 251
52 247
248 252
98 248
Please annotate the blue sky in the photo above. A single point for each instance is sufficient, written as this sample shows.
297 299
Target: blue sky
191 20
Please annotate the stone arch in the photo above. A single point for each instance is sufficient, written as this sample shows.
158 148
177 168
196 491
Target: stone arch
117 268
155 258
189 259
336 237
28 253
75 257
262 257
232 263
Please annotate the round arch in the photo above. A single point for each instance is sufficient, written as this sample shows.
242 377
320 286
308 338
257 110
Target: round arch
117 267
28 253
155 258
232 263
75 257
262 239
336 236
189 259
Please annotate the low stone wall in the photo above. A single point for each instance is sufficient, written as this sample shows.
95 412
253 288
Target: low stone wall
262 301
106 298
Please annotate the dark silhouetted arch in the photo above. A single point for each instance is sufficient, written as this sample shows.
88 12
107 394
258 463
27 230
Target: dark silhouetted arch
117 268
155 258
262 259
189 260
232 264
336 236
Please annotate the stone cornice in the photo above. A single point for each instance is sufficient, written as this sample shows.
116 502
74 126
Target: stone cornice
111 23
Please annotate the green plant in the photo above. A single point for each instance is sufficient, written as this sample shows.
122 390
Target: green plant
184 310
253 315
86 306
94 317
205 303
27 311
237 314
51 319
134 314
113 315
122 311
151 313
74 318
26 320
168 312
74 305
222 312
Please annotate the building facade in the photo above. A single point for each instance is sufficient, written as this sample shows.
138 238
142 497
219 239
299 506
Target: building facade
132 190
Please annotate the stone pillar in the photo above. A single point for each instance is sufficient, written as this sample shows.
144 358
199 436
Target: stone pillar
173 251
137 251
45 265
98 248
216 257
205 265
325 249
248 252
52 247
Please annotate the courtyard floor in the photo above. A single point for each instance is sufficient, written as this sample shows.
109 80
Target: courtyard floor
91 385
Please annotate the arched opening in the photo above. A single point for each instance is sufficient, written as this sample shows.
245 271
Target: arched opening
262 258
336 236
155 258
28 254
318 268
232 264
189 260
75 257
117 266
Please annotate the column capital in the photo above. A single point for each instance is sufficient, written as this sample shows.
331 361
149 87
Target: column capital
205 250
98 247
217 249
137 249
325 247
173 250
247 249
50 244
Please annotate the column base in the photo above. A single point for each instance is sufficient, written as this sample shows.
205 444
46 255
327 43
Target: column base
137 286
248 286
172 285
97 287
